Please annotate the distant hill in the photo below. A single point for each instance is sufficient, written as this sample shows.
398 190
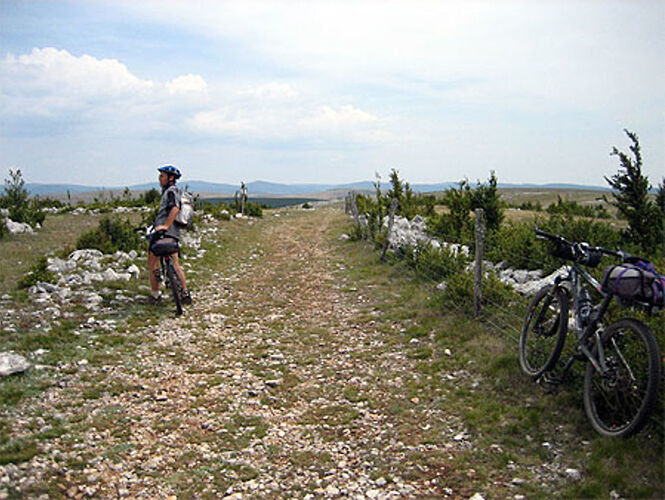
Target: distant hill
274 188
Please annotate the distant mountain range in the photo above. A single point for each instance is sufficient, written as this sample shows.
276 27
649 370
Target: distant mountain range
273 188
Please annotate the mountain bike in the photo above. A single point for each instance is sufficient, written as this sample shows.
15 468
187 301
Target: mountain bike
164 247
623 366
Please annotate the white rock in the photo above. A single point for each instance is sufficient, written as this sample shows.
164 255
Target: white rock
133 254
18 227
60 266
12 363
573 474
332 491
4 212
477 496
342 237
85 254
110 275
134 271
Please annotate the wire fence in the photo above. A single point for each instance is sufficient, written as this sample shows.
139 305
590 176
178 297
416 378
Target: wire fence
505 318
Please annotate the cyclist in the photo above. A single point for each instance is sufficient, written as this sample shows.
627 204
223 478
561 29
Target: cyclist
169 207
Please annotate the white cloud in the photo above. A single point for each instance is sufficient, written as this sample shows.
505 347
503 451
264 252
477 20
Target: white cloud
54 83
289 123
187 84
278 91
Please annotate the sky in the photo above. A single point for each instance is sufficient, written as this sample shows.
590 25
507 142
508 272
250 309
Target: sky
103 92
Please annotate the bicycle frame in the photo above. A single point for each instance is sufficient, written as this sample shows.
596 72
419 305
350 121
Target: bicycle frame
584 334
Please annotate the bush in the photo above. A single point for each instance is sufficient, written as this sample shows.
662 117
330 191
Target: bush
37 273
565 207
3 228
431 263
458 293
15 199
457 225
516 244
110 236
220 211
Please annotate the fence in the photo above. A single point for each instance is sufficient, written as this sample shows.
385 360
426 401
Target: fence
505 320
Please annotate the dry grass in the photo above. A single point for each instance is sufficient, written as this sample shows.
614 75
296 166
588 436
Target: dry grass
19 252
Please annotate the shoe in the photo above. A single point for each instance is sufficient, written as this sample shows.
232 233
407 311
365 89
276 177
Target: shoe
154 301
186 298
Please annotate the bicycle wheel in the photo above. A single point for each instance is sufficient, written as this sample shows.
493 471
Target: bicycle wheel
176 287
619 402
544 331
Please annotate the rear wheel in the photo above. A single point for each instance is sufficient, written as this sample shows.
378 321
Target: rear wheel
544 331
175 285
619 402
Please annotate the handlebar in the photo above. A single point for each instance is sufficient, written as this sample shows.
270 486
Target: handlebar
582 248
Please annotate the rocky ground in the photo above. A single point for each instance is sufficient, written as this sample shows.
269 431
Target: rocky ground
283 380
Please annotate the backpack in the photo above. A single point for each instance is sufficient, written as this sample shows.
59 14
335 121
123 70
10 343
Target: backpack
186 212
636 280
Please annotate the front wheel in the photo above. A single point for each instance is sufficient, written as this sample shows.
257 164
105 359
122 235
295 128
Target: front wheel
544 331
176 287
619 401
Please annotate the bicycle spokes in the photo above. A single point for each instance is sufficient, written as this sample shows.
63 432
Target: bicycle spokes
618 394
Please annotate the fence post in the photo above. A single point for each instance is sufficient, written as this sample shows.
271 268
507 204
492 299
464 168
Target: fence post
478 268
391 219
354 207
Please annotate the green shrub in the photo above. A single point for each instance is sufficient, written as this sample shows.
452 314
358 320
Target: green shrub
15 199
516 244
110 236
220 211
458 293
253 209
570 208
431 263
457 225
3 228
37 273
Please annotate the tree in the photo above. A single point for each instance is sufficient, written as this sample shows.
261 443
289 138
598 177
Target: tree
631 197
397 190
15 193
16 201
660 203
486 196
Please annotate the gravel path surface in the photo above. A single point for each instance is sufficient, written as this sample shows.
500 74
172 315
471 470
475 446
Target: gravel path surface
278 382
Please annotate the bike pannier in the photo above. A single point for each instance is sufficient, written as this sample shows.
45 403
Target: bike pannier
164 246
635 282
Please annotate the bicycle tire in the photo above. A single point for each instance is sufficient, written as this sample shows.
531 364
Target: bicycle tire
540 350
176 287
635 378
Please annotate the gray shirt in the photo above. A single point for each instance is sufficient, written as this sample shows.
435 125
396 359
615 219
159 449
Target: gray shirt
171 197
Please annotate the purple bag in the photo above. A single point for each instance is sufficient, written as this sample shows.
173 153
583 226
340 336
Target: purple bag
636 281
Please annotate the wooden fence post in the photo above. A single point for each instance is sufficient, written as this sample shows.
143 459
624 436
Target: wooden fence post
354 207
478 268
391 220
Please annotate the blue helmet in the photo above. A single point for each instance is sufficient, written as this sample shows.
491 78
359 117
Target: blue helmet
170 170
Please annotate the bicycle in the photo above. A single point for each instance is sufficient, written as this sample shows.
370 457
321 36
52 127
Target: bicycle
163 248
622 361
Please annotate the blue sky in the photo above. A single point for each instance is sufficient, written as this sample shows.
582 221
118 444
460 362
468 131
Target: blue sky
102 92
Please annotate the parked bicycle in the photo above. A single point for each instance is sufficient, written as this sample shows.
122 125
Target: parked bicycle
164 247
623 366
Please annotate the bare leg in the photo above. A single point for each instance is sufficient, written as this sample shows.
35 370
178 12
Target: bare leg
178 269
153 265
